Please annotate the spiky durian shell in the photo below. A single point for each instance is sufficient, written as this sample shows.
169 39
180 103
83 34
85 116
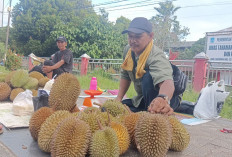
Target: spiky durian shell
15 92
114 107
104 143
37 119
48 127
91 120
43 81
19 78
64 92
4 91
9 76
3 76
32 83
130 121
122 135
181 138
91 109
153 135
106 117
71 138
35 74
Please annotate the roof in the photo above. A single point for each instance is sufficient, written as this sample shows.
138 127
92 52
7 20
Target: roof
221 32
182 44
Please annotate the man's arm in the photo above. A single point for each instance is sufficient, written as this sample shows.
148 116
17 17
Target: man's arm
47 69
123 87
167 88
159 104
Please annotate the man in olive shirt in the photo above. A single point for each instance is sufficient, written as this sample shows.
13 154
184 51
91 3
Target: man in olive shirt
61 62
147 67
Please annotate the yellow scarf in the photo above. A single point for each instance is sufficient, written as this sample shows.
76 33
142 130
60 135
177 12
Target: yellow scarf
128 62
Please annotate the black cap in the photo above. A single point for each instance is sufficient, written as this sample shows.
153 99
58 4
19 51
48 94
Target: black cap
139 25
61 38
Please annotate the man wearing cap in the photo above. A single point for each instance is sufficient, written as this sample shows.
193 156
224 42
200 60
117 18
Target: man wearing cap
147 67
61 62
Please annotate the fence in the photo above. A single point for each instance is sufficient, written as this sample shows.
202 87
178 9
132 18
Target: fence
219 70
199 73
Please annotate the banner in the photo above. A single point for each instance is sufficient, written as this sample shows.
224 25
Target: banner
219 47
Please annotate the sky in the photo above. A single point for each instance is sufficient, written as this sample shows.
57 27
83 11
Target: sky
200 16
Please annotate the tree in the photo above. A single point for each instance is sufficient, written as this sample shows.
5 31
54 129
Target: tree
34 20
121 24
166 27
196 48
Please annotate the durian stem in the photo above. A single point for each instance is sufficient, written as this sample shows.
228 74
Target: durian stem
99 124
98 104
127 108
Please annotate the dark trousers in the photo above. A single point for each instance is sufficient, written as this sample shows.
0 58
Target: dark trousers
149 93
47 63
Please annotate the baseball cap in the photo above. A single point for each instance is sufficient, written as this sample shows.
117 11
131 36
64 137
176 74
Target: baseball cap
139 25
61 38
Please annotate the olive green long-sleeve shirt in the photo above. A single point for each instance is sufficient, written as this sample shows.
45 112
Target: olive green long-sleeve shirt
158 66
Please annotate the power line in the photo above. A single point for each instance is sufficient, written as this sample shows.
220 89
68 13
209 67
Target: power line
129 4
107 3
202 5
132 7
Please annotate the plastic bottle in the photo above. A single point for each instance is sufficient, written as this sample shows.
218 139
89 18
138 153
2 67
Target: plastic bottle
93 84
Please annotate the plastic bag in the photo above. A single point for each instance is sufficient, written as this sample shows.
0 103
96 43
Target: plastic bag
22 104
48 85
41 100
211 100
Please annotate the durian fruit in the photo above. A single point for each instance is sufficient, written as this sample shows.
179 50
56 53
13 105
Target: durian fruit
104 143
90 119
71 138
48 127
122 135
32 83
5 91
34 92
3 76
64 92
114 107
130 121
19 78
43 81
8 77
153 135
181 138
15 92
35 74
37 119
91 109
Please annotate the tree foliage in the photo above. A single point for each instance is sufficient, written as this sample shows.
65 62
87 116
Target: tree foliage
167 29
34 20
38 23
196 48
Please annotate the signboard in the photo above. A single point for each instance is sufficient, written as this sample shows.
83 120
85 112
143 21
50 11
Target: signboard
219 47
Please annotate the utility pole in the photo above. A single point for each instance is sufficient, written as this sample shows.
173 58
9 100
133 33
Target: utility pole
2 11
8 28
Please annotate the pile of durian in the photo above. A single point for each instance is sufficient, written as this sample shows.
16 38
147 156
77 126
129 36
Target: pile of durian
15 82
107 131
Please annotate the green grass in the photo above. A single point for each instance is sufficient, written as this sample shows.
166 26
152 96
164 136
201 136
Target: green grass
106 82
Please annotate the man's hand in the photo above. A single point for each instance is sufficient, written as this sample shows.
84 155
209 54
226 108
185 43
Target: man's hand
160 105
118 99
47 69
